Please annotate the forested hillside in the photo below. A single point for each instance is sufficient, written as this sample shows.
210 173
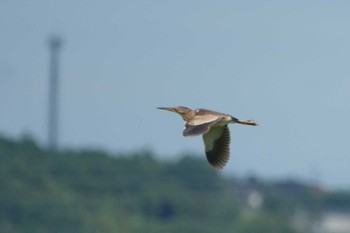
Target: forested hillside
92 191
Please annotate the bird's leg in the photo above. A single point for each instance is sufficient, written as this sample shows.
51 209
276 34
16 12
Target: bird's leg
246 122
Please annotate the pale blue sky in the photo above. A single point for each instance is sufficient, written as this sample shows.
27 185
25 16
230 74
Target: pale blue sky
283 63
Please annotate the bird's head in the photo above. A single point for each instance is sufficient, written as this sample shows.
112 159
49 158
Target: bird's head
183 111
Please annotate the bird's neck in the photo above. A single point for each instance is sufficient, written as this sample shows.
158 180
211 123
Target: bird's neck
188 115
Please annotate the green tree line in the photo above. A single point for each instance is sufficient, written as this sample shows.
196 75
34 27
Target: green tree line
95 191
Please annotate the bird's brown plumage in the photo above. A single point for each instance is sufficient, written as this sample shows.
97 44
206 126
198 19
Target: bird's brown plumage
213 126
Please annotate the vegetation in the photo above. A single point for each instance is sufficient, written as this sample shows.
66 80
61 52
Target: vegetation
92 191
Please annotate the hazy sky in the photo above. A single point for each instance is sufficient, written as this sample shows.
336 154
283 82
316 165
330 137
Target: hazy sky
283 63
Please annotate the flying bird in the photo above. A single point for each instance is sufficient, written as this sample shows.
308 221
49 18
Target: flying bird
213 126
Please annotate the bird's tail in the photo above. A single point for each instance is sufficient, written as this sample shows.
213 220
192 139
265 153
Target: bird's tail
247 122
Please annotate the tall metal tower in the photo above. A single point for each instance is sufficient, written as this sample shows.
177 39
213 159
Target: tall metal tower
55 46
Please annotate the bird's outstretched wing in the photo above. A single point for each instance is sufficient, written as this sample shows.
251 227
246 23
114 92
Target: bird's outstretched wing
200 125
216 142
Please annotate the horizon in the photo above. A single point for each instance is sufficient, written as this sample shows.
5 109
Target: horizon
310 182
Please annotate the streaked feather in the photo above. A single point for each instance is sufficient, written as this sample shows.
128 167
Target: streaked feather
199 126
216 142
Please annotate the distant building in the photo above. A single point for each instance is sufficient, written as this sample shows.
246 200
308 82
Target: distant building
335 222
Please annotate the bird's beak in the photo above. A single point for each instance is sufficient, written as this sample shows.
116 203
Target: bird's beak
168 109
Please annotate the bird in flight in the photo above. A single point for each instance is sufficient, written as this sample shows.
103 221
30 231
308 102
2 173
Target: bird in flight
213 126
